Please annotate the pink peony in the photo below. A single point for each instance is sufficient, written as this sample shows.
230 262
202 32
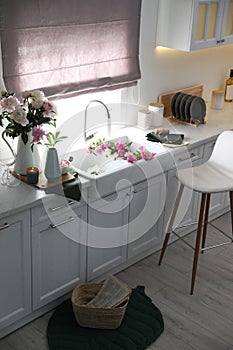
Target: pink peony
48 107
89 150
130 157
106 145
121 152
145 154
99 149
38 133
120 145
9 103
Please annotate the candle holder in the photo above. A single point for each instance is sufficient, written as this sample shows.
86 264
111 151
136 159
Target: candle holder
32 175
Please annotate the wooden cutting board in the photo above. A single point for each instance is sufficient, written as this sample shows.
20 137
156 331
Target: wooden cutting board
165 99
43 182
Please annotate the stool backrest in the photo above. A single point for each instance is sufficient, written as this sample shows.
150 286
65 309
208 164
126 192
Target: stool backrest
222 155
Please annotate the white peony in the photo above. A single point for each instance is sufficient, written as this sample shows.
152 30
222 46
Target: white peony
107 152
37 95
37 99
20 116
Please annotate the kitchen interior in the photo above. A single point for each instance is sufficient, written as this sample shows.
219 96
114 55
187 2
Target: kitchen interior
200 321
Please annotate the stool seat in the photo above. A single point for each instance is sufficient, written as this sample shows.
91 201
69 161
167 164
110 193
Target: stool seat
215 175
209 177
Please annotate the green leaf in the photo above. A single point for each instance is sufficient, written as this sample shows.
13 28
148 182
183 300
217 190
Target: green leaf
24 137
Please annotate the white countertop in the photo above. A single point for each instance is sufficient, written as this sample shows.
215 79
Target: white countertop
13 200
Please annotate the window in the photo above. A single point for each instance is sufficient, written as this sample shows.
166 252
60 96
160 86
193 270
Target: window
69 47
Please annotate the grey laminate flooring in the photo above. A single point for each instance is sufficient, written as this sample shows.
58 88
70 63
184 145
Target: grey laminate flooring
203 321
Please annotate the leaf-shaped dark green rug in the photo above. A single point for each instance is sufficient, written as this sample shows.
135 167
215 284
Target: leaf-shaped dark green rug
141 326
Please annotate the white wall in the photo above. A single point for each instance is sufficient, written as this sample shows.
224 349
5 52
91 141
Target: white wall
165 70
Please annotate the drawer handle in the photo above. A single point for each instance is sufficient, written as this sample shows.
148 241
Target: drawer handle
192 155
62 223
61 206
4 226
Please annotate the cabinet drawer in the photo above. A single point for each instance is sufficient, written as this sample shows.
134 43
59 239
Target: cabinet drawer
188 157
53 207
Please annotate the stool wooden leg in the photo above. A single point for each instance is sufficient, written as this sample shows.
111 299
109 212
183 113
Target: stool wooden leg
231 203
198 241
207 207
170 225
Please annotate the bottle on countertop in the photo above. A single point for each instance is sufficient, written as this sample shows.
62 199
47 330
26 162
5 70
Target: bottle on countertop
228 95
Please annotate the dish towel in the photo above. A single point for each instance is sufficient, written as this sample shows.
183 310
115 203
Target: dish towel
69 189
173 139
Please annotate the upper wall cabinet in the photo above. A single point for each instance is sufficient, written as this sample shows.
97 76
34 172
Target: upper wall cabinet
194 24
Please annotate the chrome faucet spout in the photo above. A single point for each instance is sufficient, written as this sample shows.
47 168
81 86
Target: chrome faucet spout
86 138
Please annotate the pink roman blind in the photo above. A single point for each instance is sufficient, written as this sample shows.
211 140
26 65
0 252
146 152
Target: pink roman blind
68 47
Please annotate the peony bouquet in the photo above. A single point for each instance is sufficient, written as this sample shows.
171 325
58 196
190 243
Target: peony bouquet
20 118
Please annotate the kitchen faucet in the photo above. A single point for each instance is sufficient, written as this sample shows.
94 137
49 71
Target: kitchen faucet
86 138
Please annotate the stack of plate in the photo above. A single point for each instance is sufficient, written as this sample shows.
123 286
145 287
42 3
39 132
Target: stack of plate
188 108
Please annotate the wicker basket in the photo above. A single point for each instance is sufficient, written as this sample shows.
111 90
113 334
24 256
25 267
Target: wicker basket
92 317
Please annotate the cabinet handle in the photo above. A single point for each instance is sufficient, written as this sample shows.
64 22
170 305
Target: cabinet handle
221 41
62 223
192 155
4 226
61 206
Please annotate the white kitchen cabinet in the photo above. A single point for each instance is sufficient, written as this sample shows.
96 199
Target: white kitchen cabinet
58 252
194 24
15 268
145 231
124 225
107 233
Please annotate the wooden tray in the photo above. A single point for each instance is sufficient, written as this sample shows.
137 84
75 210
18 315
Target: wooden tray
165 99
43 182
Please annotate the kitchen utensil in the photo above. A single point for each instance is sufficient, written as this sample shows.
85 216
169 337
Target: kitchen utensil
177 106
182 106
173 101
187 108
198 110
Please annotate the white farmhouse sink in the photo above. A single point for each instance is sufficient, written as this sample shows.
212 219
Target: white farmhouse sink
108 175
92 166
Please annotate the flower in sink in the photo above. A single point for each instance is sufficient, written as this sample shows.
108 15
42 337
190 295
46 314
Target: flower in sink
145 154
130 157
119 149
65 165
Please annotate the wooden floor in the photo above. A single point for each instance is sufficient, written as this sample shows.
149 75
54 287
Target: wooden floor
203 321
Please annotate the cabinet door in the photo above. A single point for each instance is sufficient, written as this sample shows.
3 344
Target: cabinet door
146 215
194 24
15 268
189 205
207 22
227 23
59 260
107 233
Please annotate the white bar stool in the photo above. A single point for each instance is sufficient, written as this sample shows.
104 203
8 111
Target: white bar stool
213 176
